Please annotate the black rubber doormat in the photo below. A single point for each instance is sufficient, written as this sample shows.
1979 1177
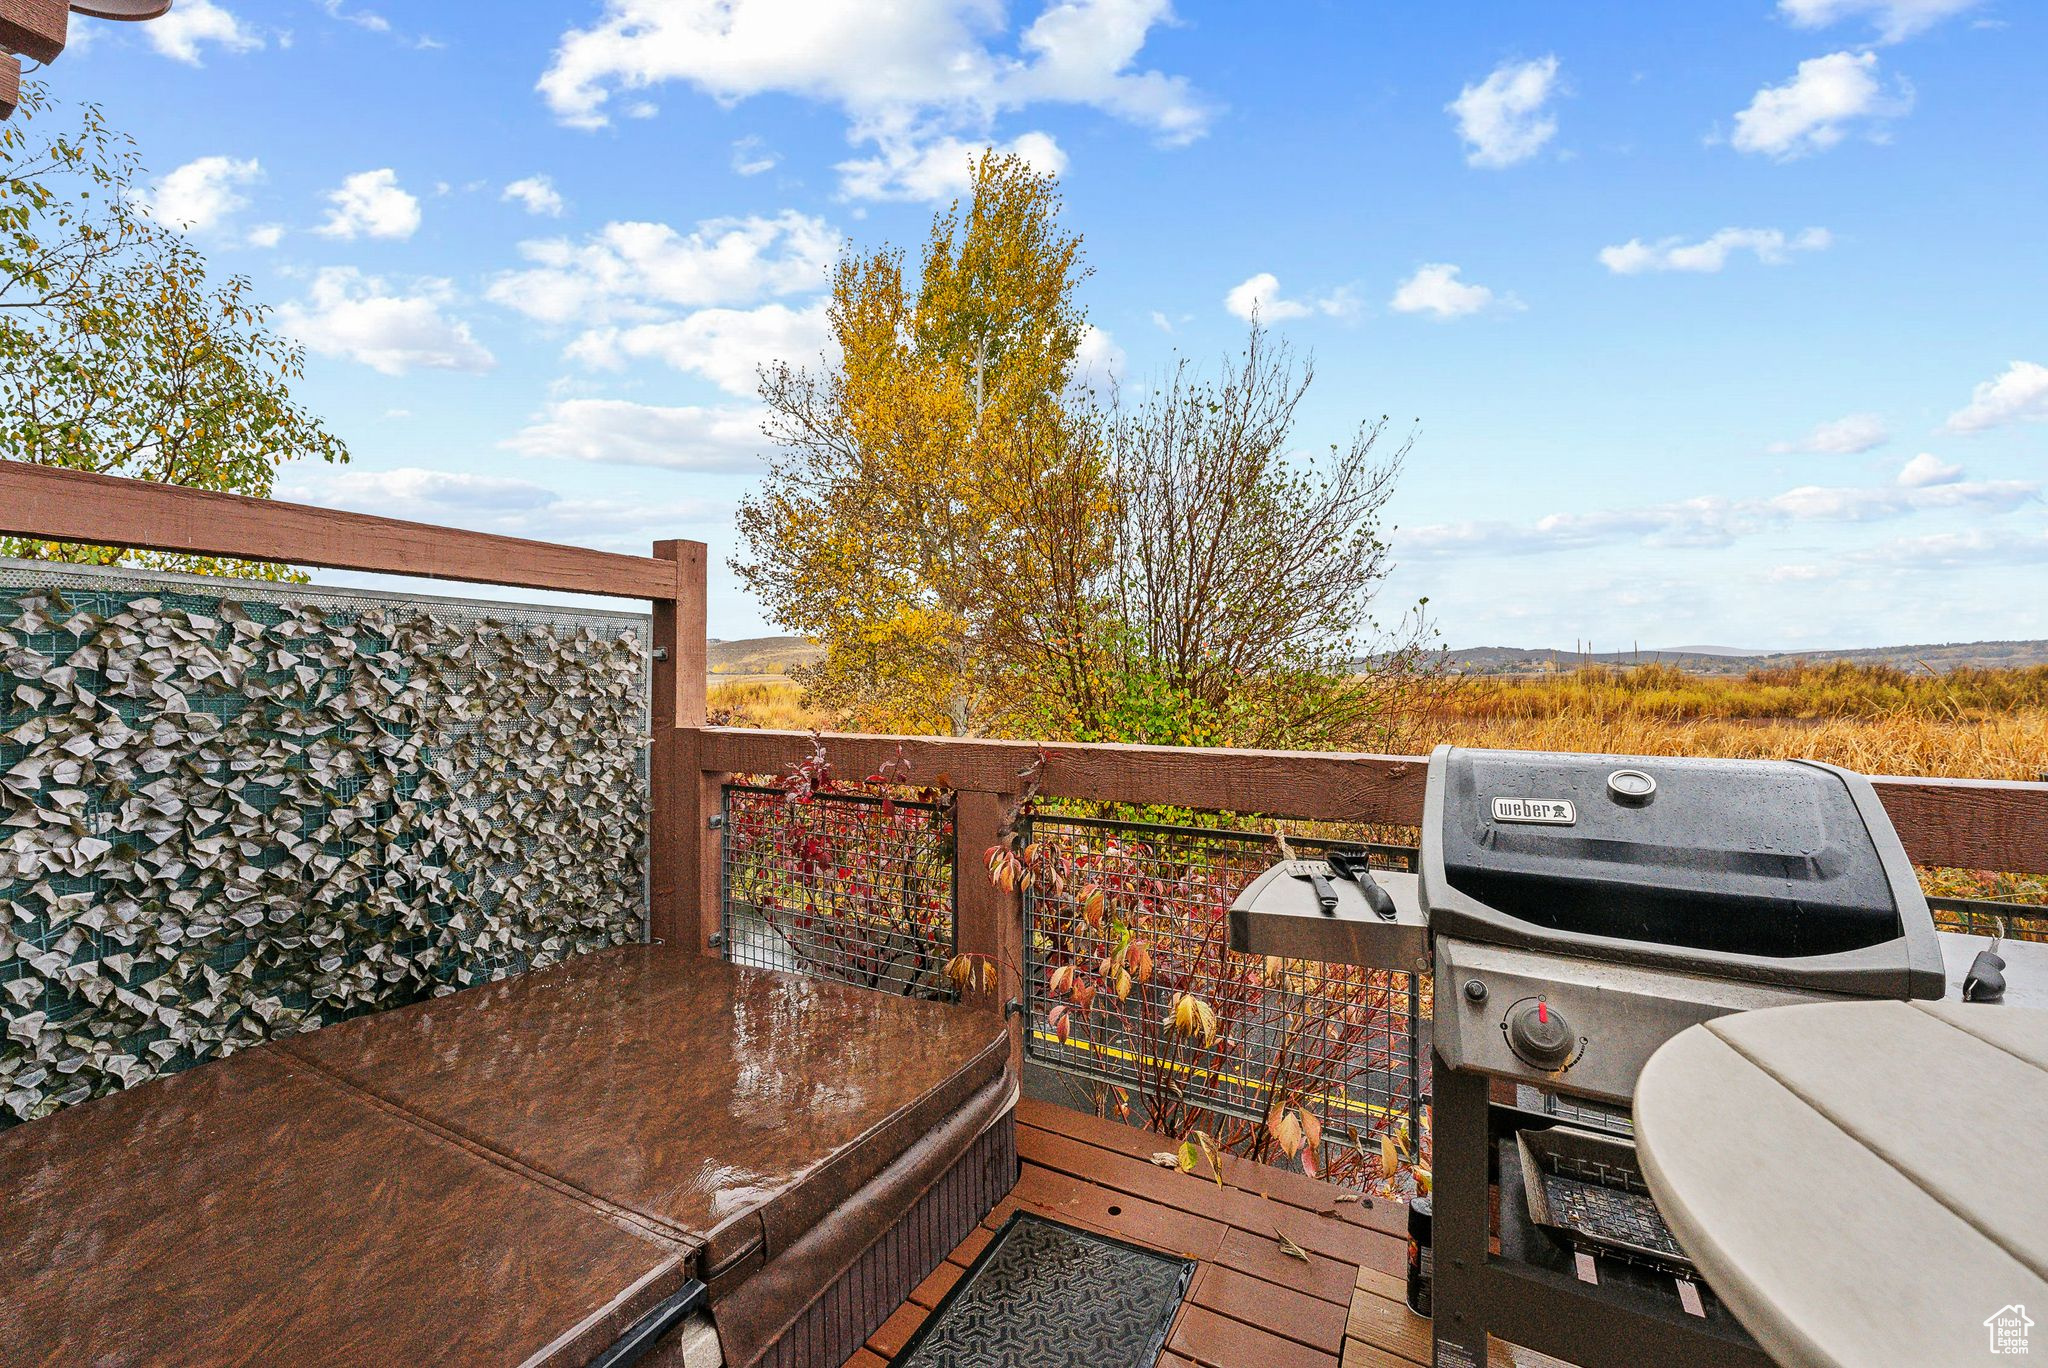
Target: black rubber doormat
1043 1293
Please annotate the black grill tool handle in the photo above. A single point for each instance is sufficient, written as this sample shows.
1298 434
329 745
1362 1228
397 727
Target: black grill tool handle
1326 892
1352 865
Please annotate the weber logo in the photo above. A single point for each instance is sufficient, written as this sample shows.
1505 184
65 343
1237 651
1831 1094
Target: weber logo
1548 811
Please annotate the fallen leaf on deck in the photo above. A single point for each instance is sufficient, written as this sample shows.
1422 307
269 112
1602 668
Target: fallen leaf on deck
1348 1197
1166 1159
1210 1153
1290 1248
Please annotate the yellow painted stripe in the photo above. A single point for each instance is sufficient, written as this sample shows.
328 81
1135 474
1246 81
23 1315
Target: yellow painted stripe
1335 1102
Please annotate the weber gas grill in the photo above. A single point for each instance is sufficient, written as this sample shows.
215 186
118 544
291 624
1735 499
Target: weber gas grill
1578 911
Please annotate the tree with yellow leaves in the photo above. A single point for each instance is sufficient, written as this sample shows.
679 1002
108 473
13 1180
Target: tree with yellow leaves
117 355
941 481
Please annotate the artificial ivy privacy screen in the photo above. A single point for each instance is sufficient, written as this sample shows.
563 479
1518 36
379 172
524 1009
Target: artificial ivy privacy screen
228 814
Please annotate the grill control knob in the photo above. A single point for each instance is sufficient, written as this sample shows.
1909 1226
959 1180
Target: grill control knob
1540 1036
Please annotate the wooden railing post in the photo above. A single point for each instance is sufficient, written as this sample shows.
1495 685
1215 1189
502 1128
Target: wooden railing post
36 29
990 922
675 815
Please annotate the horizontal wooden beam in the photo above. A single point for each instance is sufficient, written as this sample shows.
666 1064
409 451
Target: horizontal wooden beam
102 510
1946 823
1309 784
34 28
1970 823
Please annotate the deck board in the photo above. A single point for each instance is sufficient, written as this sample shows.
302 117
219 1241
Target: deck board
1250 1306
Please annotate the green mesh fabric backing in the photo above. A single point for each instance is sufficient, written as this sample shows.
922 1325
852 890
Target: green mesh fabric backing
231 811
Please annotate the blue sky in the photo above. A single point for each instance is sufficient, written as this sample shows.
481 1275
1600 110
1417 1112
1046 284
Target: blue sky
1721 323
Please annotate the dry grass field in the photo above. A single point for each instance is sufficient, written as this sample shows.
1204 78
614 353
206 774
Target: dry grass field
1981 724
1984 724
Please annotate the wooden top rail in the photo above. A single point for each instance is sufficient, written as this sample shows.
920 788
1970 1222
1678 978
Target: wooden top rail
1324 786
103 510
1946 823
1993 824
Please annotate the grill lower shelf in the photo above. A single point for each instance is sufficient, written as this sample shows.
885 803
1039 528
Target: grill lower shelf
1647 1289
1588 1189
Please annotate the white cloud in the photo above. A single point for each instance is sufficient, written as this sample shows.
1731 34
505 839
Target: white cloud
370 203
191 24
1502 119
2001 547
1813 111
725 346
1712 521
1928 469
929 168
1770 245
1259 297
200 194
491 503
1098 357
1801 573
1435 289
266 235
348 314
1081 52
368 20
1849 436
634 272
751 156
2020 395
536 195
1825 503
1895 20
905 74
620 432
413 492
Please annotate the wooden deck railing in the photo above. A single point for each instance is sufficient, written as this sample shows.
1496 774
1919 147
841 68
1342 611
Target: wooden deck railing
1952 823
1945 823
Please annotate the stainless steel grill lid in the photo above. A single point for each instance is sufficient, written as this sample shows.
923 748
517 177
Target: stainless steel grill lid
1786 872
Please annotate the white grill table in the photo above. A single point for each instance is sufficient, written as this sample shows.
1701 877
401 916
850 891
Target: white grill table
1860 1182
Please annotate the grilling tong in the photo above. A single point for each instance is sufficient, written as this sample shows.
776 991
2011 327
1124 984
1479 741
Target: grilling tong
1345 864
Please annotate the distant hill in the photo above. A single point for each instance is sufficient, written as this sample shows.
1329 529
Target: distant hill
773 657
1711 650
761 657
1516 660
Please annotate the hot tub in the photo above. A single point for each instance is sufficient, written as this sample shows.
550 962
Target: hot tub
518 1173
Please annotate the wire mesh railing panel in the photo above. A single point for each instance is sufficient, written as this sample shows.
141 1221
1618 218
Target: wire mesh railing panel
843 886
1124 919
235 810
2015 920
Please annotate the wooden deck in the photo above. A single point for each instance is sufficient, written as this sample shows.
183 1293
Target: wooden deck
1250 1305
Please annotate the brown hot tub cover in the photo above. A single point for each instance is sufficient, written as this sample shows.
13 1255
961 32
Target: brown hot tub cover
509 1175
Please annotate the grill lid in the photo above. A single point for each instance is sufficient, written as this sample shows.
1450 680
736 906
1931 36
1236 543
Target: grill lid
1783 871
